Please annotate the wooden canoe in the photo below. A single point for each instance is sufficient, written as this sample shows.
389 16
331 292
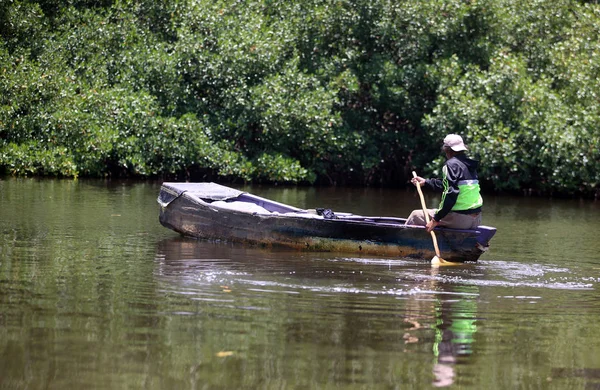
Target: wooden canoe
215 212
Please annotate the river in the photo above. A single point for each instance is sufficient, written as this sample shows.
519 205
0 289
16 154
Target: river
95 293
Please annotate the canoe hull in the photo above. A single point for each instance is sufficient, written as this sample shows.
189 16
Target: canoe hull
192 216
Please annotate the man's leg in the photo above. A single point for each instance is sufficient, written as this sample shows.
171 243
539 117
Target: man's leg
461 221
417 217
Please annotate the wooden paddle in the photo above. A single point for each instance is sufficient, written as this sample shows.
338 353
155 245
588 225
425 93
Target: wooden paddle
437 259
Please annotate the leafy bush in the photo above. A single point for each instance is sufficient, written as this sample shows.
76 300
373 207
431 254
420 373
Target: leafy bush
308 91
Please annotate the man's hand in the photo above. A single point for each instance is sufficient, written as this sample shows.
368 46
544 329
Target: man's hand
418 180
431 225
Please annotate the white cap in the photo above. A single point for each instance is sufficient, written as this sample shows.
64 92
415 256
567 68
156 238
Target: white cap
454 142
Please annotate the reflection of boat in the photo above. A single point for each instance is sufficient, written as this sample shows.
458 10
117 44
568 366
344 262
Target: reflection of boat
212 211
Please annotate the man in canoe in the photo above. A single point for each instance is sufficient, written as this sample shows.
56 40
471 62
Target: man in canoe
460 207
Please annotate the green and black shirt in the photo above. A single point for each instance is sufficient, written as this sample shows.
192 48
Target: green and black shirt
459 186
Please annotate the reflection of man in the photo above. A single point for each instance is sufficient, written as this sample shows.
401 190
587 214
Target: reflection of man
455 328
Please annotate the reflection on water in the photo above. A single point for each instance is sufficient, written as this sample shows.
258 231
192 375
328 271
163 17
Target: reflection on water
455 317
94 293
389 306
422 313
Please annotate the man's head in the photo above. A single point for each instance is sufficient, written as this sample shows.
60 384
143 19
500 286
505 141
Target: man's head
454 142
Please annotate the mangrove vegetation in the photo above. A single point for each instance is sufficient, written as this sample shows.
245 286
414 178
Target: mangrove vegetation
352 92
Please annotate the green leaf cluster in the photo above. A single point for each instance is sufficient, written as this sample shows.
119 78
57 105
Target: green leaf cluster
347 92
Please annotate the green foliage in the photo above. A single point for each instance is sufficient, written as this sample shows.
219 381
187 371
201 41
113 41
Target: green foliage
28 158
532 115
355 92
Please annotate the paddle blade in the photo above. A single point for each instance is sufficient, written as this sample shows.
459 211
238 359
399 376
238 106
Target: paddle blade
437 261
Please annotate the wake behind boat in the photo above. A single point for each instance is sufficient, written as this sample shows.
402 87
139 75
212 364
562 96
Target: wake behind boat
213 211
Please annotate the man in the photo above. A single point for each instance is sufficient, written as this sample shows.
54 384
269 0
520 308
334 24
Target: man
460 207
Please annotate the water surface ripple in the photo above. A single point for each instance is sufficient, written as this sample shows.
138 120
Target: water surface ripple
94 293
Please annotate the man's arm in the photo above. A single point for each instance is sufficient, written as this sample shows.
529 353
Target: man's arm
435 184
450 192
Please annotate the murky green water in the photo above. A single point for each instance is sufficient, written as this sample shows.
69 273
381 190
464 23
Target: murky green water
95 293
